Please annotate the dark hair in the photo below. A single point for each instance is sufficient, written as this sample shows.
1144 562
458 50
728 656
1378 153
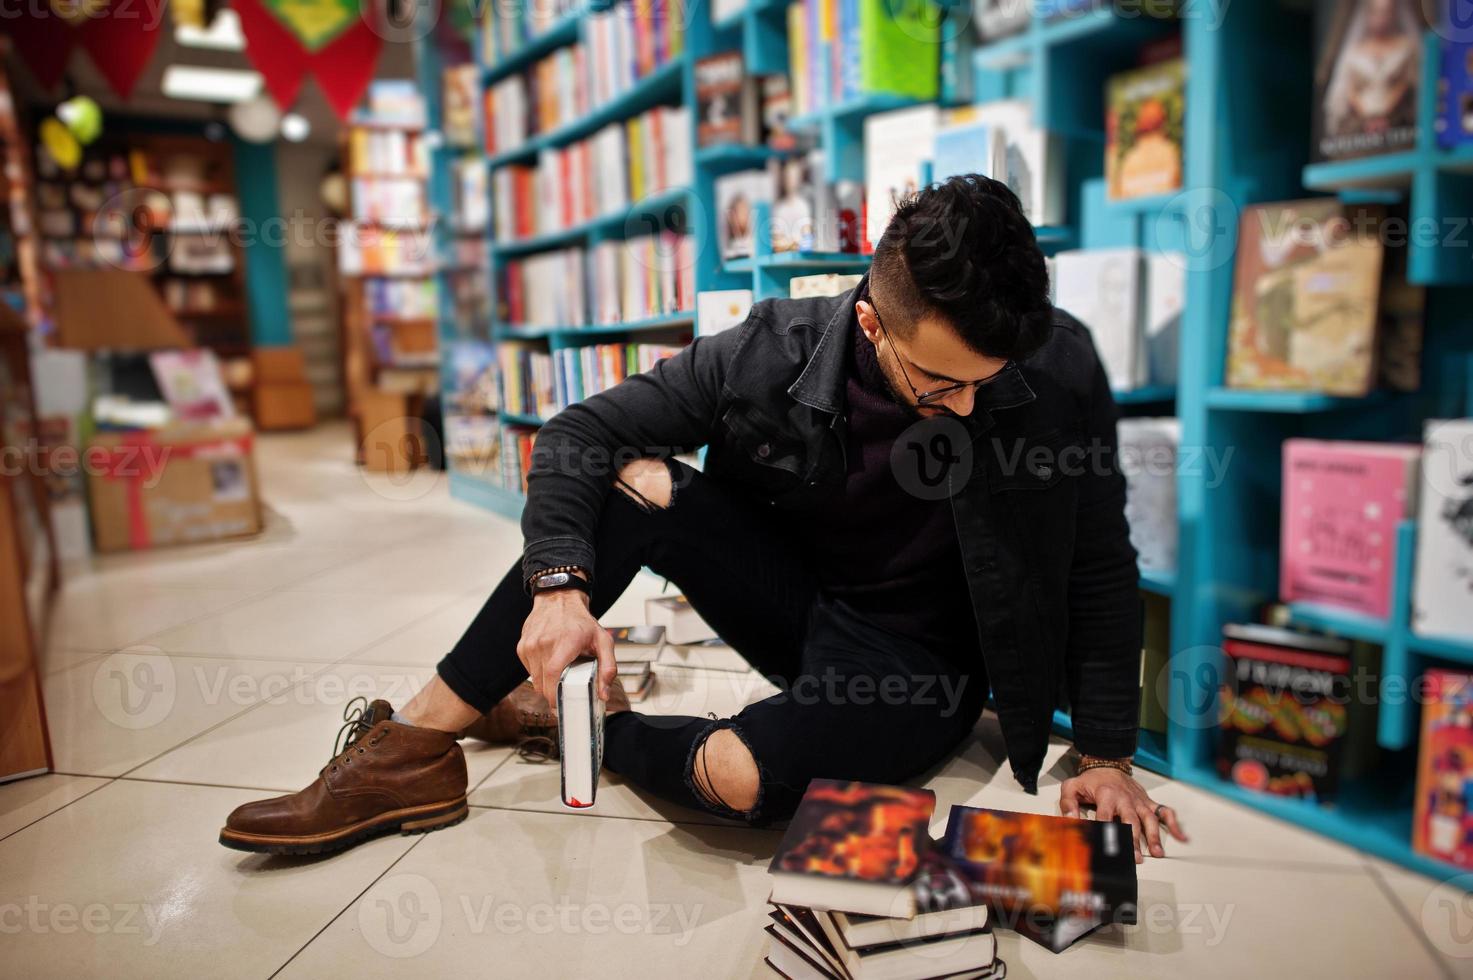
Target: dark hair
963 250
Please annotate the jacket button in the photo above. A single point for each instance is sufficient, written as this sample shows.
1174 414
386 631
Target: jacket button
764 450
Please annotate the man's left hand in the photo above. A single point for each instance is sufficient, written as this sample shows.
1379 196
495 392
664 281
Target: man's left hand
1114 795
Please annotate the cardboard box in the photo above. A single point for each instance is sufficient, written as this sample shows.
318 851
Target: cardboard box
285 405
389 431
276 365
177 484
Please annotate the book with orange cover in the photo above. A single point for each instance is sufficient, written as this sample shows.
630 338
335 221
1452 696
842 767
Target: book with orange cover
853 847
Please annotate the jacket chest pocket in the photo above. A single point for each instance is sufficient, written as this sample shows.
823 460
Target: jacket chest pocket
1034 464
761 453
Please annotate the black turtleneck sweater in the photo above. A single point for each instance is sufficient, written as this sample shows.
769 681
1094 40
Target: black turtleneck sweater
890 556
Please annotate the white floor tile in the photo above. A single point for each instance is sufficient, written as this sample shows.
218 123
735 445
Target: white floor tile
27 800
131 882
282 744
524 894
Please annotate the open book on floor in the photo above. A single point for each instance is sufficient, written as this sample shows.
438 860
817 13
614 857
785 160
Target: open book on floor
580 725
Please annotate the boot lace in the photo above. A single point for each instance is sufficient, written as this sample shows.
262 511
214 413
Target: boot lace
356 724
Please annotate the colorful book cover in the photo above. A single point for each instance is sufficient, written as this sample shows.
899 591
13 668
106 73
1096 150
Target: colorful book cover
862 832
1305 297
1454 120
1442 595
1367 73
899 48
1341 506
726 101
1051 879
1144 129
897 146
1283 711
1442 820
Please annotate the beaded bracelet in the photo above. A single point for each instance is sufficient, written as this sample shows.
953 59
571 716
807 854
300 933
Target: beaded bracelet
1088 762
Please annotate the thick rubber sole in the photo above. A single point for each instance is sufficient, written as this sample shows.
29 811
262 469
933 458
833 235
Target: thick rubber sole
414 820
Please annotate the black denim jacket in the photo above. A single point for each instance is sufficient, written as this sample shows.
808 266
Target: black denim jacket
1040 520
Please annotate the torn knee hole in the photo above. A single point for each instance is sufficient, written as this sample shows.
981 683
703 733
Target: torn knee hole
648 483
724 772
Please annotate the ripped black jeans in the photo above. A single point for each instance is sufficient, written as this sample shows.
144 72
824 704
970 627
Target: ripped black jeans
855 701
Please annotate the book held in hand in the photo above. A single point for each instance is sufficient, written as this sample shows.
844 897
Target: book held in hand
580 728
853 847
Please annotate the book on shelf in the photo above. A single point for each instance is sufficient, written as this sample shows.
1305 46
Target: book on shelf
840 50
391 202
386 152
395 102
506 28
545 289
580 728
642 277
897 147
721 309
776 109
603 175
805 211
853 847
1155 662
1148 456
472 206
737 197
401 299
1454 119
471 377
1442 593
1131 303
527 385
515 457
1442 817
1144 130
581 372
370 251
1283 714
682 624
1306 290
822 284
1029 159
460 95
191 383
998 19
728 101
1367 77
1342 503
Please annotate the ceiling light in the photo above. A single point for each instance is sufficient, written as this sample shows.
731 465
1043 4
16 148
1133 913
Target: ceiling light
223 34
295 128
211 84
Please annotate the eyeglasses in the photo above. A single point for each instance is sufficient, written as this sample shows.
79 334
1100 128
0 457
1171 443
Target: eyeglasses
935 395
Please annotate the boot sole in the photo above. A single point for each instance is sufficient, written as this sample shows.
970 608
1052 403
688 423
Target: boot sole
413 820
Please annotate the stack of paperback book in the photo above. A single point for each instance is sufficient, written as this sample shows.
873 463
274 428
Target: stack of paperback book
861 892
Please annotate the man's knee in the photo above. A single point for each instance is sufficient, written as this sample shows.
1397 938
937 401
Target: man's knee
725 773
647 482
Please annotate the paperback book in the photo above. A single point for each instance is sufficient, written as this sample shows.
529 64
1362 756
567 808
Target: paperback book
1148 458
1341 507
1442 594
728 101
1367 77
580 720
1050 879
1144 130
1442 821
1305 298
1283 711
897 148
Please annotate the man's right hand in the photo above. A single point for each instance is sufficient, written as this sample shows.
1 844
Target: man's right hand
560 630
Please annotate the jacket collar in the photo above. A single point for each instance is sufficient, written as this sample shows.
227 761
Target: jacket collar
821 385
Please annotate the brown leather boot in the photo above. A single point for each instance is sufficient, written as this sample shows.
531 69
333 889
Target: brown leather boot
383 777
524 718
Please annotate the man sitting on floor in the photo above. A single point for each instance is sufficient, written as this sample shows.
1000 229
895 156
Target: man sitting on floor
910 500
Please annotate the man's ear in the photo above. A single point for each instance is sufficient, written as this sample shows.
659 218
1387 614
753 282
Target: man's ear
867 321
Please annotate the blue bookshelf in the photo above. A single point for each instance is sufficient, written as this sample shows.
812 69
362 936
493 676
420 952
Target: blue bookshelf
1247 120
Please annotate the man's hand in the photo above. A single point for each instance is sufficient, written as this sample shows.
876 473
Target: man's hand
559 631
1114 795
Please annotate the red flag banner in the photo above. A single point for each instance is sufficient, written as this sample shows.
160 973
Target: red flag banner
119 37
334 40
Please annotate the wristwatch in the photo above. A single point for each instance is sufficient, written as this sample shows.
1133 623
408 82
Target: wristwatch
557 579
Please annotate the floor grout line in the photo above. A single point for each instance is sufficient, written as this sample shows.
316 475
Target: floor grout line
107 781
1406 916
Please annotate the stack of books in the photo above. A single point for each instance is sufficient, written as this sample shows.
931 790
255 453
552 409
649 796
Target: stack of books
629 41
386 151
636 648
861 892
582 371
602 175
641 277
397 202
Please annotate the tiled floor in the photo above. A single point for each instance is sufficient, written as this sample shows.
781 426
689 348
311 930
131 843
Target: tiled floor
182 683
